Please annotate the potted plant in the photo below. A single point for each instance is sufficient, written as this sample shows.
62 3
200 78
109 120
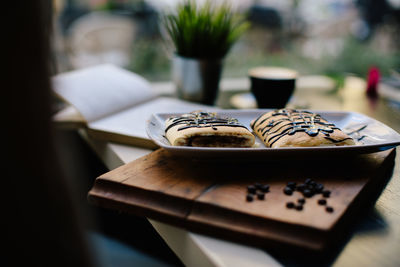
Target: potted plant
202 36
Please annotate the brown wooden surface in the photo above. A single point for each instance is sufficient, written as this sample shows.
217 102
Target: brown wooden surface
209 197
373 239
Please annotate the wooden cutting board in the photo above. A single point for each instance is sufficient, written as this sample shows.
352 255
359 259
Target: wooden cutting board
210 196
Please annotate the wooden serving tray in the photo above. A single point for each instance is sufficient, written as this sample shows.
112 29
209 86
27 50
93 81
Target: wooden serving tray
210 196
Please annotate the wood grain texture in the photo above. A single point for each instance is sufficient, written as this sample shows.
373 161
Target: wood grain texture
210 197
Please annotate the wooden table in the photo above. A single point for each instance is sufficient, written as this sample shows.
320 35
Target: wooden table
375 240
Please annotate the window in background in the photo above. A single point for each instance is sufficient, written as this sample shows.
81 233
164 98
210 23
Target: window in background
314 37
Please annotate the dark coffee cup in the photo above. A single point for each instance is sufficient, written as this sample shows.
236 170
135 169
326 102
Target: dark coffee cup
272 87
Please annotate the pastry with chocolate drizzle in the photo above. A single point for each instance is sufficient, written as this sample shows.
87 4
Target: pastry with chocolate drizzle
207 129
297 128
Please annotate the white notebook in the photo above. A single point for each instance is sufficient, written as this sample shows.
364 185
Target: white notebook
115 103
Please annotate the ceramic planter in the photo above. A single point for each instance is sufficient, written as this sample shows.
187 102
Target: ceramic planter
197 80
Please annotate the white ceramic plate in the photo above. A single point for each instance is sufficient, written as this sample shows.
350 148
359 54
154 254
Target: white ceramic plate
375 137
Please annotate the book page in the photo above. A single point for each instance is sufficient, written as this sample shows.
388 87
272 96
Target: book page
132 122
102 90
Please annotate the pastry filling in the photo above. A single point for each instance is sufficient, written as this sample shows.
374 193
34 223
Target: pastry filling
218 141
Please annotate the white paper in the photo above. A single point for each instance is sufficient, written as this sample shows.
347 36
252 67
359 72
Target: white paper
132 122
100 91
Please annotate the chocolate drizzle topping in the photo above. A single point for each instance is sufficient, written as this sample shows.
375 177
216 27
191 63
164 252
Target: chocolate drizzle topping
293 121
357 132
202 120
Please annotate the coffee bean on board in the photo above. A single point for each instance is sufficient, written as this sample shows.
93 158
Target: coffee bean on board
288 191
258 185
301 200
329 209
249 197
265 188
326 193
299 207
290 205
308 193
291 185
251 189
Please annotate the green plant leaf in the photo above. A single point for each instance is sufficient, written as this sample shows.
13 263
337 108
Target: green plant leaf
206 31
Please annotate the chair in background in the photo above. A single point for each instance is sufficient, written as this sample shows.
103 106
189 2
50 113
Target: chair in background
100 37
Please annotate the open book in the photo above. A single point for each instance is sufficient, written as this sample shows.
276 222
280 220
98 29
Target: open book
115 103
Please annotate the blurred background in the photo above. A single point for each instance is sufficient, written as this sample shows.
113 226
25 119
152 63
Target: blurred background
332 37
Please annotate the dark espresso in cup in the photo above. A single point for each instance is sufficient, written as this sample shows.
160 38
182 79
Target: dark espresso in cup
272 86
